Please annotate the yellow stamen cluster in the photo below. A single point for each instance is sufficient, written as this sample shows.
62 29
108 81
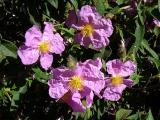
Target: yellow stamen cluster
116 80
87 30
76 83
44 46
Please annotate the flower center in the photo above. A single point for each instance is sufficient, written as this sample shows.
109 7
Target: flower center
44 46
116 80
76 83
87 30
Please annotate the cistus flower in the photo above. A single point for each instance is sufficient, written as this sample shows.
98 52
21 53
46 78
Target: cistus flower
41 45
156 22
119 80
91 26
77 86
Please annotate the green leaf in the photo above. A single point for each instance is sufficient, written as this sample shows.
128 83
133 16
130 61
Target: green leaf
119 2
122 114
133 117
159 5
104 53
150 116
147 47
40 75
8 49
54 3
156 30
23 89
74 3
100 6
139 34
15 95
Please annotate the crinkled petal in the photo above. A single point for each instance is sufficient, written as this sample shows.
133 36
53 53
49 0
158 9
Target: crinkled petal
89 99
98 40
72 18
74 101
28 55
57 44
57 88
114 93
128 68
46 60
91 68
114 67
84 41
104 26
48 31
89 14
62 73
117 67
128 82
33 36
96 85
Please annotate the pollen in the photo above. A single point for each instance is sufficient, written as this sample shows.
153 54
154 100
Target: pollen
76 83
116 80
44 46
87 30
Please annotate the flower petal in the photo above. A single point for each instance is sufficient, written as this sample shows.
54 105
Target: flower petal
117 67
33 36
57 44
46 60
128 82
89 99
114 93
88 14
48 31
91 68
96 85
28 55
114 67
84 41
75 102
62 73
57 88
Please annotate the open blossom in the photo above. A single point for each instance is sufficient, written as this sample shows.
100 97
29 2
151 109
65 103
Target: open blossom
91 26
119 71
73 85
41 45
156 22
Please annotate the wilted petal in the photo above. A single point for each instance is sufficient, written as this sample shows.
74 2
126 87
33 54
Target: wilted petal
114 93
28 55
33 36
46 60
57 88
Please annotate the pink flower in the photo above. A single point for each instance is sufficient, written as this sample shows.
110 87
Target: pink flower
93 28
41 45
156 22
73 85
118 81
